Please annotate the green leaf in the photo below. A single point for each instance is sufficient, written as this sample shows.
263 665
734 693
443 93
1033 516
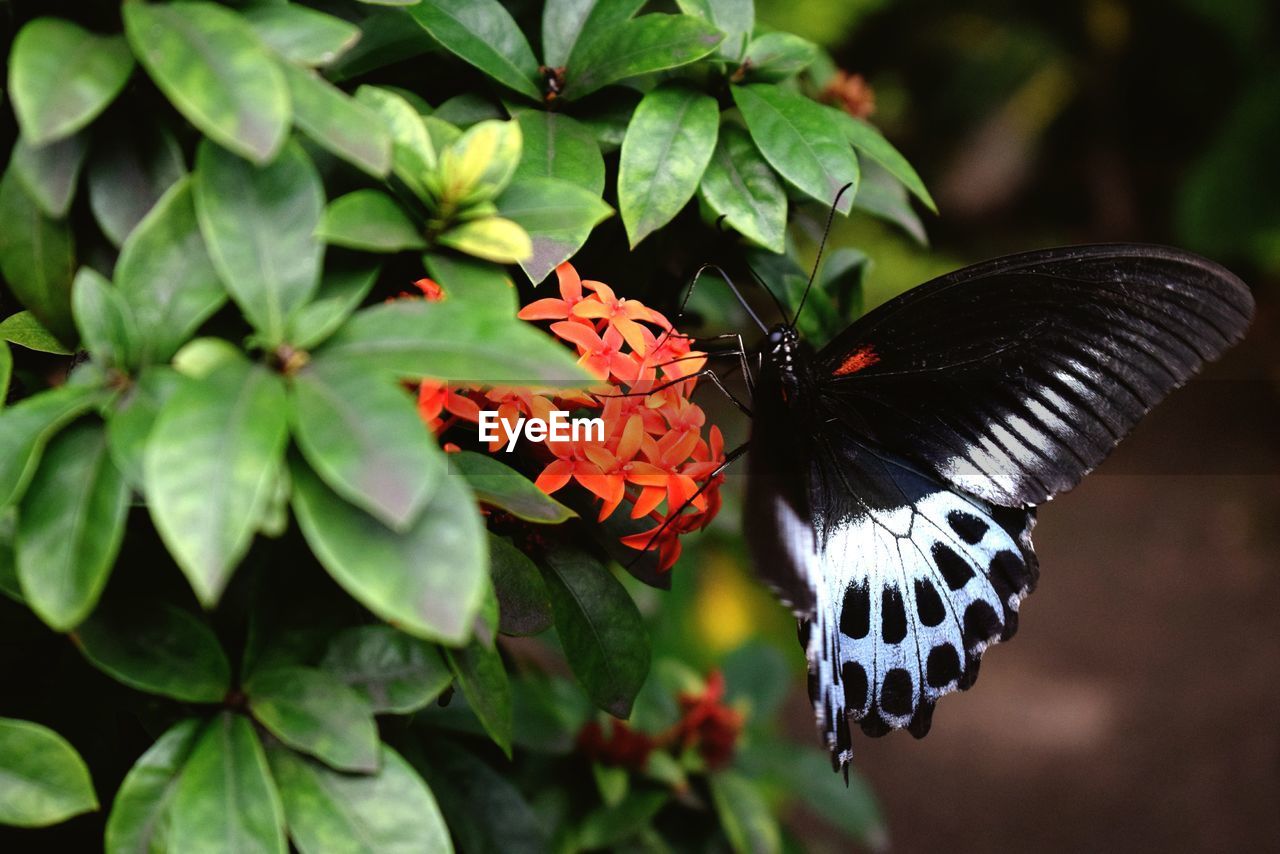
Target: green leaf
23 329
558 217
61 77
607 118
42 779
395 672
129 171
484 682
313 712
734 18
364 438
369 220
600 627
70 526
226 799
166 276
158 648
744 815
37 257
387 36
668 145
568 24
213 68
27 426
557 146
133 417
610 826
104 320
391 812
449 341
259 225
491 238
773 57
413 153
337 122
340 293
524 607
872 144
841 278
483 287
740 186
464 110
801 141
883 196
6 372
428 581
50 173
483 34
501 486
640 46
478 165
302 35
139 822
208 468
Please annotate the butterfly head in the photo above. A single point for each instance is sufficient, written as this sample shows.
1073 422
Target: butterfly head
780 349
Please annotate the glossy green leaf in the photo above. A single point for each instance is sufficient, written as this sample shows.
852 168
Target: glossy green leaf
27 426
370 220
501 486
260 227
427 581
341 291
744 815
772 57
225 799
6 371
130 168
364 437
483 34
611 826
413 153
668 145
166 276
568 24
639 46
740 186
557 146
391 812
70 526
139 822
61 77
311 711
208 469
483 681
337 122
464 110
558 217
801 140
50 173
607 118
104 319
42 779
387 36
734 18
24 330
483 287
841 278
601 629
492 238
133 417
448 341
882 195
158 648
524 606
302 35
477 166
872 145
37 257
395 672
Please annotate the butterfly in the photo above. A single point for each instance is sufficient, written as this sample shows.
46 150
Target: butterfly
893 475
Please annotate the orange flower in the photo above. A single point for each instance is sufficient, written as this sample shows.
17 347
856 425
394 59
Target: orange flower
619 314
557 309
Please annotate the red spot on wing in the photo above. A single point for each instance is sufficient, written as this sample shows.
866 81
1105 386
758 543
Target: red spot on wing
864 357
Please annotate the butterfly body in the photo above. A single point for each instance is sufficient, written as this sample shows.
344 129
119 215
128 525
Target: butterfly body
893 475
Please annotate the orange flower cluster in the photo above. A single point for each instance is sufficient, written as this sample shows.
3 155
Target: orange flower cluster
852 93
654 456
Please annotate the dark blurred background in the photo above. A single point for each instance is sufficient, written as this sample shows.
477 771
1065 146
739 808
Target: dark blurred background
1136 709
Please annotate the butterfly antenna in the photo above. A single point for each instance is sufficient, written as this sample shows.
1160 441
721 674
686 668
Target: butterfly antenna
782 311
831 215
741 299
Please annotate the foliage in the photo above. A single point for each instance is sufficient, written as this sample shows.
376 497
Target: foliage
290 613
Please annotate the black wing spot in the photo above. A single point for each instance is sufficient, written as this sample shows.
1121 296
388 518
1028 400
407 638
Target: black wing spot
921 720
895 694
893 616
855 614
954 568
929 603
970 528
874 725
943 665
854 678
1009 566
980 623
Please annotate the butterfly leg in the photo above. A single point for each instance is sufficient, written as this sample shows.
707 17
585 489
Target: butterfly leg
704 373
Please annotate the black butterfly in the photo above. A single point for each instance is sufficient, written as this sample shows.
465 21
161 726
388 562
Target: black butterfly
893 475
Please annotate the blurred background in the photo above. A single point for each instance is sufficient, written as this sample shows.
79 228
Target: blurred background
1137 706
